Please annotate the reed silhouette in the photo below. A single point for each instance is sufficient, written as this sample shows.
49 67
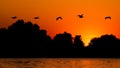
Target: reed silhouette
26 40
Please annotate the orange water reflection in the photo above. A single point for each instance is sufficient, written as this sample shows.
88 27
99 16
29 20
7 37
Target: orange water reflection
60 63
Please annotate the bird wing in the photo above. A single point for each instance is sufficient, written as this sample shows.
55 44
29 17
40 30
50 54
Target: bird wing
36 17
14 17
80 16
58 18
108 17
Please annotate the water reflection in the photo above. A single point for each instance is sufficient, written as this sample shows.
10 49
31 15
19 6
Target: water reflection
60 63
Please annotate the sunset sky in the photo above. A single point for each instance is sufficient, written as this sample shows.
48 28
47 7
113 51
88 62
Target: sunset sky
92 25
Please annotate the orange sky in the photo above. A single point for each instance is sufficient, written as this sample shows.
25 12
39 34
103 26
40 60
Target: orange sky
92 25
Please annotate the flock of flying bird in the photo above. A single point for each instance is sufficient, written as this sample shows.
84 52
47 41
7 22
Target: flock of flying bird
60 18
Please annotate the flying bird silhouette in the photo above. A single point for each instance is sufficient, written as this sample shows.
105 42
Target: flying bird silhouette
80 16
36 17
14 17
107 17
59 18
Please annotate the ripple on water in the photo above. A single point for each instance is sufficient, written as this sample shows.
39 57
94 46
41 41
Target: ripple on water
60 63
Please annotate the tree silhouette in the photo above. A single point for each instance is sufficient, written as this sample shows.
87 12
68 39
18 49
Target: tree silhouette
24 39
63 44
105 46
78 46
78 43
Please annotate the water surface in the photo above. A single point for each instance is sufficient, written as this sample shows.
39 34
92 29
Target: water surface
60 63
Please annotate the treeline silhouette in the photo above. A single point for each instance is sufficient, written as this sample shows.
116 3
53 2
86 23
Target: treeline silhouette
27 40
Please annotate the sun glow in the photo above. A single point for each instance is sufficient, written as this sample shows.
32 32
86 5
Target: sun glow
86 39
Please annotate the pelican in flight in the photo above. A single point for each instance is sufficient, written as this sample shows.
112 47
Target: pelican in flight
59 18
80 16
107 17
14 17
36 17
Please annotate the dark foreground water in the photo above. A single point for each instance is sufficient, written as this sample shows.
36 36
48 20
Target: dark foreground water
60 63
